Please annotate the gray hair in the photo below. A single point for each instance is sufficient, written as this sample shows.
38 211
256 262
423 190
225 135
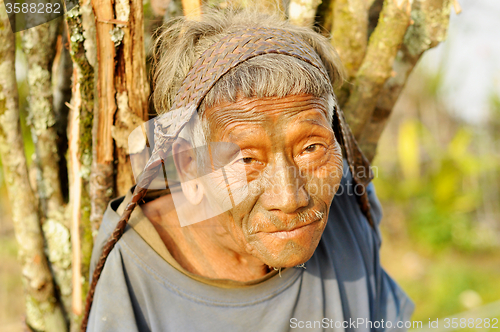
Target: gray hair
181 42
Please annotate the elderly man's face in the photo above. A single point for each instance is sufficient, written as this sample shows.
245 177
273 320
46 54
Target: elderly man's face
293 166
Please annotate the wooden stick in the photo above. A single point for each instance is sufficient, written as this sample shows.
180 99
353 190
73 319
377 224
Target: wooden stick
75 196
101 180
113 21
106 105
80 149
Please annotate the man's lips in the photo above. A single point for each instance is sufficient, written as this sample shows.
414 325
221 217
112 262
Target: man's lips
296 232
292 231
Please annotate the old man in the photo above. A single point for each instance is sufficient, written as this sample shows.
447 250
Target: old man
269 222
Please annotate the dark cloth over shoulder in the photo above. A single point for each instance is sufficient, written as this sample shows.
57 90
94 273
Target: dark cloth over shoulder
342 288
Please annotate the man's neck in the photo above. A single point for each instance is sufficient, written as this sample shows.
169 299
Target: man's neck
204 248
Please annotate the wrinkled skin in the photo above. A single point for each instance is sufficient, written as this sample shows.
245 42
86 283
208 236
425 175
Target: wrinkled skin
293 167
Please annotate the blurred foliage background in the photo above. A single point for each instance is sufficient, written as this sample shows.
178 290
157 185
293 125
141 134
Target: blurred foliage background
438 181
438 178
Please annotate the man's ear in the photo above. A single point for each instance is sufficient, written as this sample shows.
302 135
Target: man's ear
186 165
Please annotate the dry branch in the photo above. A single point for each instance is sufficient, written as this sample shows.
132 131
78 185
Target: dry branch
377 65
123 94
75 181
430 25
102 180
43 311
104 11
132 88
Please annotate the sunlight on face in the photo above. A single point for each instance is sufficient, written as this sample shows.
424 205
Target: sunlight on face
286 172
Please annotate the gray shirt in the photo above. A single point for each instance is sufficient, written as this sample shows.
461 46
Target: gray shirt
342 288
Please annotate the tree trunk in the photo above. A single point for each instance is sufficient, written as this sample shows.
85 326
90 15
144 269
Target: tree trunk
429 27
376 66
43 311
39 45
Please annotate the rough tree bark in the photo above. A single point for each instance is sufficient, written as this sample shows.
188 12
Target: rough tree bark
429 27
349 37
81 28
39 46
132 87
376 66
121 84
43 311
350 32
102 179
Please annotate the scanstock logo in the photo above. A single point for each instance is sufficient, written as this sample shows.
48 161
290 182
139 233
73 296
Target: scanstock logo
204 179
25 14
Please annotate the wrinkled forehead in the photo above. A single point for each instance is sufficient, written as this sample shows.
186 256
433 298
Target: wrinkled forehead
271 113
221 57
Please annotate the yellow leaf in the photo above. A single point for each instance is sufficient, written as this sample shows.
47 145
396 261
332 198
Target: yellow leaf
409 150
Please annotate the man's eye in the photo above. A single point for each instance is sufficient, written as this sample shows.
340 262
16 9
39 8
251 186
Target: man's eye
246 161
311 148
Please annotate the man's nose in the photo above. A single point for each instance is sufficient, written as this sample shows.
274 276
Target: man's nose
285 189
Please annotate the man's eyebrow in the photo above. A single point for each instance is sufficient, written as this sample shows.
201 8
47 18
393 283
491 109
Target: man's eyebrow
315 122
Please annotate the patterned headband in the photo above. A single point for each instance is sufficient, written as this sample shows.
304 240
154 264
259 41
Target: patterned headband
222 56
227 53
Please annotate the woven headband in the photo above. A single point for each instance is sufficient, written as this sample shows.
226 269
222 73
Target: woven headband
222 56
227 53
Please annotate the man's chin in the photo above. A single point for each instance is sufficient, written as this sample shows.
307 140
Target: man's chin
286 261
289 248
